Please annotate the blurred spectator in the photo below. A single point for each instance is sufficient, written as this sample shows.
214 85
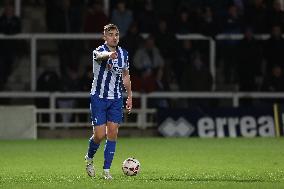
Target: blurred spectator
207 24
132 40
276 15
232 21
249 61
183 59
240 5
273 82
165 8
9 24
231 24
165 40
69 83
94 20
122 17
85 84
182 25
256 16
147 18
87 79
66 17
149 63
48 81
51 14
274 49
197 76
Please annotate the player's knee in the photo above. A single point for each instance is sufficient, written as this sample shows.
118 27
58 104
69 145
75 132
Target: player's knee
99 137
112 134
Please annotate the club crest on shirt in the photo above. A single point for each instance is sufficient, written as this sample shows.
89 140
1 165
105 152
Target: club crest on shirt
114 67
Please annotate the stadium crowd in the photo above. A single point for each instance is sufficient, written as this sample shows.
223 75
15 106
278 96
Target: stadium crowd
159 62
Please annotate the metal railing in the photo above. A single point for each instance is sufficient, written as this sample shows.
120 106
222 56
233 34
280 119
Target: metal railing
34 38
141 114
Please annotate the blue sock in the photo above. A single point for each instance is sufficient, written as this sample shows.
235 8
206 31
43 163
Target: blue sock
109 153
93 147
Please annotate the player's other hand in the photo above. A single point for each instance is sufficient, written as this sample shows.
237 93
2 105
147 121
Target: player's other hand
129 104
113 55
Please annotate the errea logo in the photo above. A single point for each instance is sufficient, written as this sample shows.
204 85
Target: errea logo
179 128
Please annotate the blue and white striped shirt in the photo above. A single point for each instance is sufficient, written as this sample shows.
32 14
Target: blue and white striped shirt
107 82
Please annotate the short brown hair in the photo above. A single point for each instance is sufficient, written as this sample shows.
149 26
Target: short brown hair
109 27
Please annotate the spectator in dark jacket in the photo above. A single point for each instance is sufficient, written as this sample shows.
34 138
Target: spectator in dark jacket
274 48
273 82
9 24
249 62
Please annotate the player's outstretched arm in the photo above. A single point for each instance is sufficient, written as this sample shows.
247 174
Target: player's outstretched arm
104 55
127 85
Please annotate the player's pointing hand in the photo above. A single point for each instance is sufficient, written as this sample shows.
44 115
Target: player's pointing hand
113 55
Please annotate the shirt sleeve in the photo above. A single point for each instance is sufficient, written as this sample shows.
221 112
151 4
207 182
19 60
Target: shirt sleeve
96 52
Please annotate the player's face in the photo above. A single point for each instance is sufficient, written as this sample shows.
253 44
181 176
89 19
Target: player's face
112 37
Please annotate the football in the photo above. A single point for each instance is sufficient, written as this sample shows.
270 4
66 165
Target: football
131 167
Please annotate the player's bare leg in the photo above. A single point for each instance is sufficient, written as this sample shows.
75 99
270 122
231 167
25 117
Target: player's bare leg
111 131
99 133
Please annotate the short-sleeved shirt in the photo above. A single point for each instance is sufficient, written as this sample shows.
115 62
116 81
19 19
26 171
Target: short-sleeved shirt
107 82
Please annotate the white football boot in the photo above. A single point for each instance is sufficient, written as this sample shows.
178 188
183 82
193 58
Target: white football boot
89 166
107 175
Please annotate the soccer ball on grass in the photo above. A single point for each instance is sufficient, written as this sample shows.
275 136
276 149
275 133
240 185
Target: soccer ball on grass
131 167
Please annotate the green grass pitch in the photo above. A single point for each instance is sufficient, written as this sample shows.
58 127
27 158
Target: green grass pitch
165 163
